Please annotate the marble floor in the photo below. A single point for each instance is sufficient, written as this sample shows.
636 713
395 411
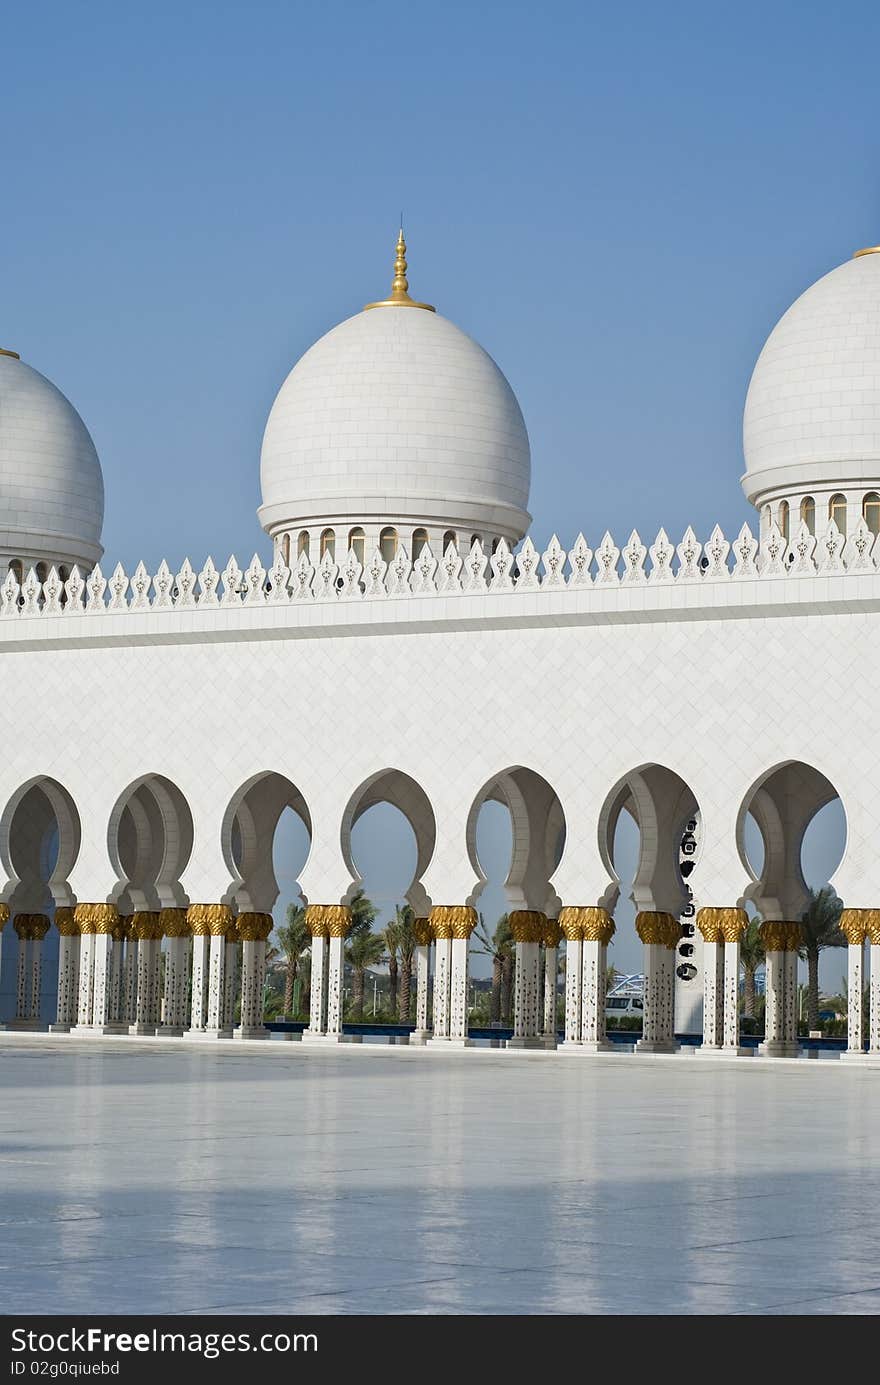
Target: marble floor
156 1178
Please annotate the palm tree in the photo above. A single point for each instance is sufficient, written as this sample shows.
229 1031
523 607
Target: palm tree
364 950
391 939
751 955
821 925
294 939
500 947
404 919
363 913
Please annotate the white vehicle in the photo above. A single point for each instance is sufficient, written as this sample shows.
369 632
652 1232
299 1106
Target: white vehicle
626 998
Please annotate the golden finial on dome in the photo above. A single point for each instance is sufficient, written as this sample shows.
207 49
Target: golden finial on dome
14 354
400 286
869 250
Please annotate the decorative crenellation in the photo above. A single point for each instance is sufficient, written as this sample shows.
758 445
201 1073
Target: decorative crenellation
474 572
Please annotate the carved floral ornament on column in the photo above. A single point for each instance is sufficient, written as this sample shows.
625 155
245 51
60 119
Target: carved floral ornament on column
527 925
659 929
328 920
422 932
254 928
586 923
213 919
779 936
175 923
31 927
858 924
722 925
97 918
66 923
453 921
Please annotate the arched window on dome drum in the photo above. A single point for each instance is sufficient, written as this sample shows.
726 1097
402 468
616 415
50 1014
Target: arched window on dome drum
782 518
476 538
871 511
837 511
356 544
328 543
285 550
448 538
808 513
42 572
419 542
302 544
388 544
16 569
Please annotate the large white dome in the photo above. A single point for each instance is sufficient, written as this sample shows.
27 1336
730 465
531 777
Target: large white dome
396 416
812 415
51 487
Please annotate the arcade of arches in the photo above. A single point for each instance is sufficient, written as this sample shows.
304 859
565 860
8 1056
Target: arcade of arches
146 959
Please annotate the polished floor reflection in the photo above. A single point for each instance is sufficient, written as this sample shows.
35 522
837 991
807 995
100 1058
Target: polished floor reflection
137 1177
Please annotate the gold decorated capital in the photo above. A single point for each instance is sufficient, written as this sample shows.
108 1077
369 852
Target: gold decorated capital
873 925
422 932
854 925
103 918
658 929
213 919
82 917
232 934
552 934
122 931
145 925
453 921
722 925
4 916
338 917
774 935
254 928
586 923
315 921
174 923
66 923
31 927
527 925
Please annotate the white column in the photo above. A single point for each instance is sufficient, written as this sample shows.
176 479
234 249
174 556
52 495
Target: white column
656 932
774 1004
215 1027
423 973
594 1038
789 1020
86 979
68 960
253 976
117 1002
458 998
198 1018
231 980
128 1001
318 988
855 1039
335 973
442 984
36 970
551 966
176 990
874 1001
526 993
731 997
102 1015
573 991
22 978
713 992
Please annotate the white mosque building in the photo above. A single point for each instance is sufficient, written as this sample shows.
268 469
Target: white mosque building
409 645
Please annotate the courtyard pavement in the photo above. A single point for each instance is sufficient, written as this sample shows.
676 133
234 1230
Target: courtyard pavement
137 1176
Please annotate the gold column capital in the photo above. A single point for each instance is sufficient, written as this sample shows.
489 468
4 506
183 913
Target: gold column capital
453 921
253 928
527 925
854 925
552 933
65 922
586 923
213 919
422 932
722 925
4 916
873 925
174 923
315 921
31 927
657 928
145 925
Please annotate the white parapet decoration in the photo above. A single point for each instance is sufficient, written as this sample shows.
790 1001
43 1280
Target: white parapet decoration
476 573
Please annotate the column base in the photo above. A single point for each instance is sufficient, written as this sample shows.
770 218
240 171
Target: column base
98 1030
598 1046
170 1031
448 1043
526 1041
29 1026
146 1029
778 1048
549 1041
310 1038
656 1046
420 1037
256 1031
60 1028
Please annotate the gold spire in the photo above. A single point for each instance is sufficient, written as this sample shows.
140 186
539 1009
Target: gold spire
869 250
400 286
14 354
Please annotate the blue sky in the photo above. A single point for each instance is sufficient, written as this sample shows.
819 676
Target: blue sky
618 201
